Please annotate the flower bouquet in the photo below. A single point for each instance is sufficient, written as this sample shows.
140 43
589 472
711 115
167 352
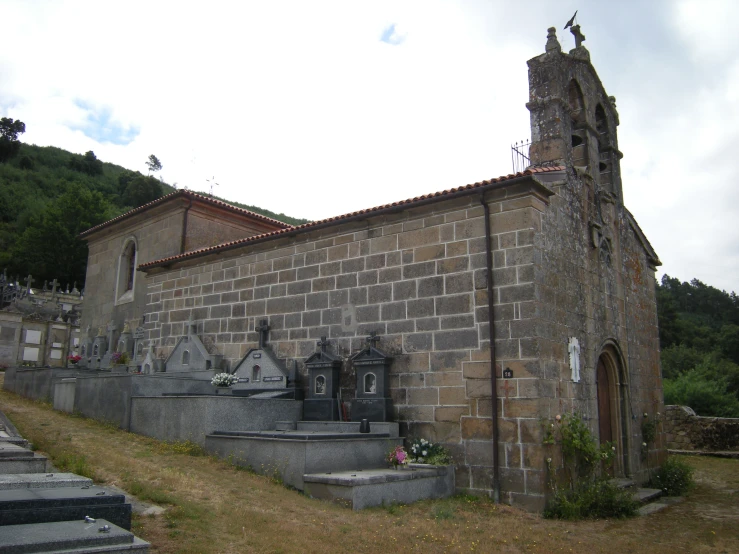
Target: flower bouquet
74 358
425 452
223 380
397 456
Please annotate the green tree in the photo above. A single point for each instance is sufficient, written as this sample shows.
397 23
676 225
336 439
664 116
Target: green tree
9 143
50 246
153 163
88 164
141 190
706 397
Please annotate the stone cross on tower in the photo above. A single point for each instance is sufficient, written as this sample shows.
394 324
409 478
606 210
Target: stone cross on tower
263 330
323 343
372 339
579 37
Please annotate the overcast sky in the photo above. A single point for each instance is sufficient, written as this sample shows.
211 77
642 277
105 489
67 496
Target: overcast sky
317 108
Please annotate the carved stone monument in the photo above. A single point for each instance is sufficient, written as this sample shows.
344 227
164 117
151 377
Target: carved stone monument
323 385
372 401
190 354
261 372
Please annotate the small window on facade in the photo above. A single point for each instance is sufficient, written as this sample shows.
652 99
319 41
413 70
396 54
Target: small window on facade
95 350
131 265
320 385
186 357
370 383
256 374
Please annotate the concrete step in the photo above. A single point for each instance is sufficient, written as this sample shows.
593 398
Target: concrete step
623 483
645 495
659 504
359 489
69 536
19 441
42 481
23 464
390 428
23 506
10 450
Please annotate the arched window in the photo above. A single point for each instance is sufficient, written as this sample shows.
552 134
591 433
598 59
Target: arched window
320 385
127 271
256 374
186 357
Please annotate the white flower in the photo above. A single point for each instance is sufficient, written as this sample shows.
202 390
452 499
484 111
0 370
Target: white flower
613 448
549 460
644 444
424 453
645 414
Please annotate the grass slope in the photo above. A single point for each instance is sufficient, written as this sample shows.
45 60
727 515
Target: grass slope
214 507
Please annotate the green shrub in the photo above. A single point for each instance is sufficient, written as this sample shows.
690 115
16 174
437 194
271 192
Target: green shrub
592 500
674 477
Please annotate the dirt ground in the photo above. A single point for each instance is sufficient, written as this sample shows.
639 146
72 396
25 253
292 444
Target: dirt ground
214 507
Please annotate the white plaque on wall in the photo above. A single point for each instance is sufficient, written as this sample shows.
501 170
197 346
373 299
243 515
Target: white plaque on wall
33 337
56 355
56 344
30 354
76 342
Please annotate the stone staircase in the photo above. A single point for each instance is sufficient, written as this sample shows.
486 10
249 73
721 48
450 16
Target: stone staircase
651 500
333 461
53 512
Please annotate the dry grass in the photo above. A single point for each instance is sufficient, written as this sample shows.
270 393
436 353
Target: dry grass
214 507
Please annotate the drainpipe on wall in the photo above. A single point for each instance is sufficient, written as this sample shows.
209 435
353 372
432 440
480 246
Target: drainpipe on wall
491 332
184 228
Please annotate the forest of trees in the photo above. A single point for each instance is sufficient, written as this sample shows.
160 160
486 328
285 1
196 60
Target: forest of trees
48 196
699 337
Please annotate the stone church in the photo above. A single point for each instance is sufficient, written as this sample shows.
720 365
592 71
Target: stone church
502 303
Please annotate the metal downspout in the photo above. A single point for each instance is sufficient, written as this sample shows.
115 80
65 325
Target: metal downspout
491 332
184 228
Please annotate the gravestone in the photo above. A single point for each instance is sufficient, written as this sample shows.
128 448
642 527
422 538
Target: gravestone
150 364
107 360
261 372
372 401
86 350
99 348
323 385
125 341
190 354
139 352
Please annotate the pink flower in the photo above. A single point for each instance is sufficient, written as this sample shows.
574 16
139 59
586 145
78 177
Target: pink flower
558 417
400 456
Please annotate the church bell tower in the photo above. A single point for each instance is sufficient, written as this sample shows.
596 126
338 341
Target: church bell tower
573 120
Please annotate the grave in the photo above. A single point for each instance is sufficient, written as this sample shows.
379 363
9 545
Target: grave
372 401
42 505
190 354
262 374
323 385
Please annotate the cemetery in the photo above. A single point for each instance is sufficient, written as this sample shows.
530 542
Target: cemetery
472 317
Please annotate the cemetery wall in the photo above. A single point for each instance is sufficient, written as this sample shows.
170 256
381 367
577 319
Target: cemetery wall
684 430
34 383
192 418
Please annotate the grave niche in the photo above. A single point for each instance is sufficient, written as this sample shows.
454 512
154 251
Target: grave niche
261 372
372 400
190 354
323 385
98 350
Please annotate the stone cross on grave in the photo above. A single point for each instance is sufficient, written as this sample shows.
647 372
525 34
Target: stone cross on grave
263 330
112 328
373 339
54 284
323 343
29 282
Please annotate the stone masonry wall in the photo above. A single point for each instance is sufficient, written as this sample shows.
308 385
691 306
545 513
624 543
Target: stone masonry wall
418 278
684 430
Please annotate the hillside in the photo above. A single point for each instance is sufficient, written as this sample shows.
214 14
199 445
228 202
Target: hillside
699 337
49 195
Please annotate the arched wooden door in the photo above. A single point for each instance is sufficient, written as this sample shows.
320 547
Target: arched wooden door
605 421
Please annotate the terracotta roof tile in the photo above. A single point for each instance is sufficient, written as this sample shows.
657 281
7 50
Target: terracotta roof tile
194 196
336 219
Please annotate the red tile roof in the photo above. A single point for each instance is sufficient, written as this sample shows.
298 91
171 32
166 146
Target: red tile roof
193 196
408 203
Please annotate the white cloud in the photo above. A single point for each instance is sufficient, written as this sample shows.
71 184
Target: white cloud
299 107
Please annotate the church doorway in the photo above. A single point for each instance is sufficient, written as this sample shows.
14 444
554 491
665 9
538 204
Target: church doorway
611 423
